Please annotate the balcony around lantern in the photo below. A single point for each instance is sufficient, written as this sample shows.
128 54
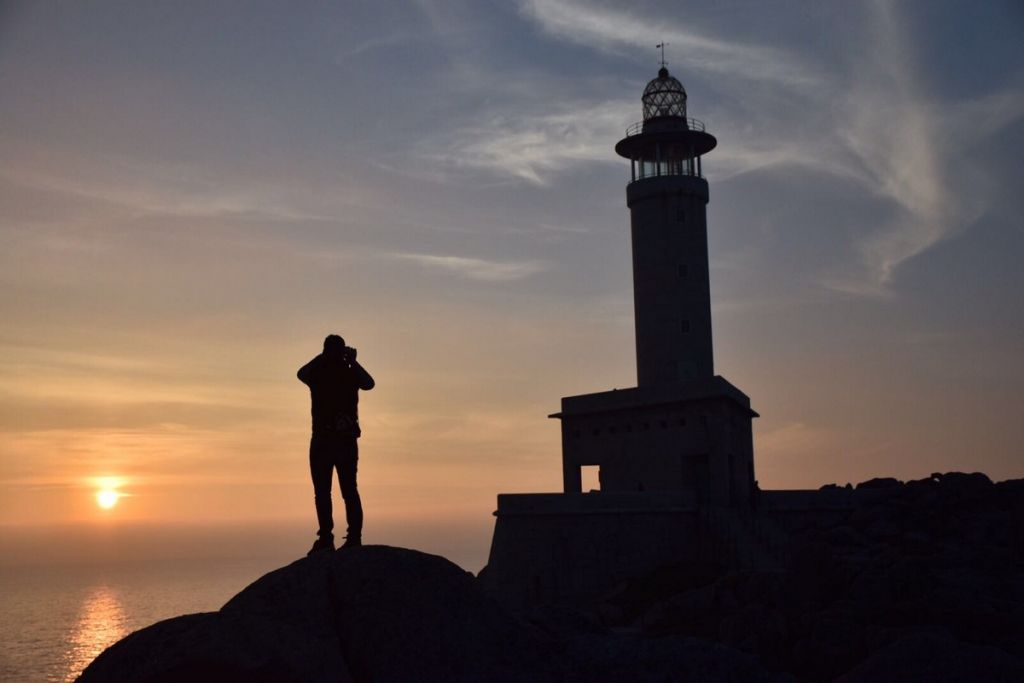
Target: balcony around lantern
664 123
667 140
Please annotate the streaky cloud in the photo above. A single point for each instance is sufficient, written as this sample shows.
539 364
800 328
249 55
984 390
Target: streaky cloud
609 29
475 268
912 149
535 147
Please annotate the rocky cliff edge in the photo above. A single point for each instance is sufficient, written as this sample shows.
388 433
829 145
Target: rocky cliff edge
379 613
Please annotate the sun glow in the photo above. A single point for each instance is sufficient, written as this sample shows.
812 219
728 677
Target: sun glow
107 498
107 493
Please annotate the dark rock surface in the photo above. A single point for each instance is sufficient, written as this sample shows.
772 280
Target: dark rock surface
923 583
216 646
370 613
396 615
919 581
931 657
387 614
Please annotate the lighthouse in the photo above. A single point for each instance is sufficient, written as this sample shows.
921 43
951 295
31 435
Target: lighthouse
674 455
667 196
682 428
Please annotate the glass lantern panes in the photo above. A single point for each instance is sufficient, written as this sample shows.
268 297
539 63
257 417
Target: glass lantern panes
664 96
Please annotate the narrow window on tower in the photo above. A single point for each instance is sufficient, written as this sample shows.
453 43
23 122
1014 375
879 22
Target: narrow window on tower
680 215
683 271
684 326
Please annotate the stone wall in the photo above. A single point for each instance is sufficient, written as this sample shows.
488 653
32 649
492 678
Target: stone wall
570 548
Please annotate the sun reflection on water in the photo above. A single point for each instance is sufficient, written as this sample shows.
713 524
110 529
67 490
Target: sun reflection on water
101 623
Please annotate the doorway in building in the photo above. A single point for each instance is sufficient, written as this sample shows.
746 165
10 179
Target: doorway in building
591 476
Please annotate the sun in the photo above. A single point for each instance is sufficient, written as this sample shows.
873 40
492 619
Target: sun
107 498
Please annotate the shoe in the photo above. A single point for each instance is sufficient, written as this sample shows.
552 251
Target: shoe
352 542
320 545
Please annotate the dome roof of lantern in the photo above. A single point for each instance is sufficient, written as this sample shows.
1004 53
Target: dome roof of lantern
664 96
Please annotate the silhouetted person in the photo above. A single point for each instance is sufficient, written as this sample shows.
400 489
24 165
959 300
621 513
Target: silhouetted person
334 379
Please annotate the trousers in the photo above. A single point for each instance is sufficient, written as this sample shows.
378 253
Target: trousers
326 454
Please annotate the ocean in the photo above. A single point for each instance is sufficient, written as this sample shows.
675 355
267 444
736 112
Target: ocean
55 620
73 595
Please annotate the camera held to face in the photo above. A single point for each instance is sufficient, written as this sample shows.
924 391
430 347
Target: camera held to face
335 349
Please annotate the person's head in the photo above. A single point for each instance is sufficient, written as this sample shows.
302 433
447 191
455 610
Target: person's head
334 345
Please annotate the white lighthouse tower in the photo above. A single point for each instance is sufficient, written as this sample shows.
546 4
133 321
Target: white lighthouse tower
675 453
667 196
682 428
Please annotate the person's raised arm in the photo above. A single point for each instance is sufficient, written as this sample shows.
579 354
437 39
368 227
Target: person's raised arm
363 379
306 372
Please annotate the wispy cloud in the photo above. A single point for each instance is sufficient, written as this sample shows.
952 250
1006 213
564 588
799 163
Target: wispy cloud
878 127
213 200
374 44
148 187
534 147
748 151
793 437
550 128
612 29
474 268
911 149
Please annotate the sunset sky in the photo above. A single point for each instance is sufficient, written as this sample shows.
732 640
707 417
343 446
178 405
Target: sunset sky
193 195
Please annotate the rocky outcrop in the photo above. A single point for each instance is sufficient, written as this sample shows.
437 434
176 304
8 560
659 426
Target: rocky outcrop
922 580
936 657
388 614
218 647
925 582
371 613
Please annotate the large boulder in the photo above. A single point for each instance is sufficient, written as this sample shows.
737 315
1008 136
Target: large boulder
372 613
398 615
217 646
